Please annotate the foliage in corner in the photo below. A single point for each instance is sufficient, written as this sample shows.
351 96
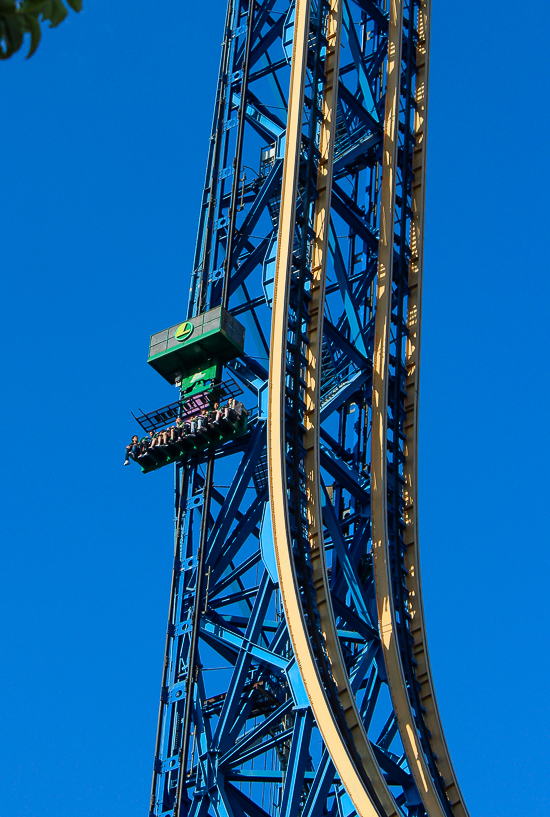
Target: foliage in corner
20 17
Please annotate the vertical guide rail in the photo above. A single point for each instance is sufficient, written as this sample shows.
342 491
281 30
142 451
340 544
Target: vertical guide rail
237 161
196 620
175 574
410 468
204 239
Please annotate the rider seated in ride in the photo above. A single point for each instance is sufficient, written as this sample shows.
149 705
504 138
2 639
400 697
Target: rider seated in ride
132 450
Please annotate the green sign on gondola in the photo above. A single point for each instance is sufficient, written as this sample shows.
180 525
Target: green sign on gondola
184 331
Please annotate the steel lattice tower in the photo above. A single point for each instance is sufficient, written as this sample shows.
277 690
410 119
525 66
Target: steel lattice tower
296 677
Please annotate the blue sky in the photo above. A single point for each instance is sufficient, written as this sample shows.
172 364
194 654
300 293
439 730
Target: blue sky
104 143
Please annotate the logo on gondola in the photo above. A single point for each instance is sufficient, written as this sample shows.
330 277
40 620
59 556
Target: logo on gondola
184 331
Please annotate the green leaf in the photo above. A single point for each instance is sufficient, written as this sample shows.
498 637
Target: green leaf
4 52
14 29
32 6
57 14
34 28
25 18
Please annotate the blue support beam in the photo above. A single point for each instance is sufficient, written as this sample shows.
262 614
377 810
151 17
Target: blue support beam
299 756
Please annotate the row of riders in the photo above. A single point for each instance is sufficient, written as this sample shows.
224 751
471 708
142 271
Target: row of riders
184 428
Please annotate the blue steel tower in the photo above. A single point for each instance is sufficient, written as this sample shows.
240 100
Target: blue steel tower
296 675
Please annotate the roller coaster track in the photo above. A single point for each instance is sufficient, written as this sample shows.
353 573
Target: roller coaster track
404 707
368 791
296 636
363 780
411 557
366 798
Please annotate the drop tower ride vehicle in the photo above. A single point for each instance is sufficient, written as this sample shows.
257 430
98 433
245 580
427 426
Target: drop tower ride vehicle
296 676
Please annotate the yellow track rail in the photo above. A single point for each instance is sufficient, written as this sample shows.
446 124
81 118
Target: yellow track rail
322 710
352 777
412 564
313 420
381 558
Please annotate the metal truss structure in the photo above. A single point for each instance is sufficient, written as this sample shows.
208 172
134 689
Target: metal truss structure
296 676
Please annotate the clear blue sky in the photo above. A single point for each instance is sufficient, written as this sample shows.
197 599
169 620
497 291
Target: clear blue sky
104 139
